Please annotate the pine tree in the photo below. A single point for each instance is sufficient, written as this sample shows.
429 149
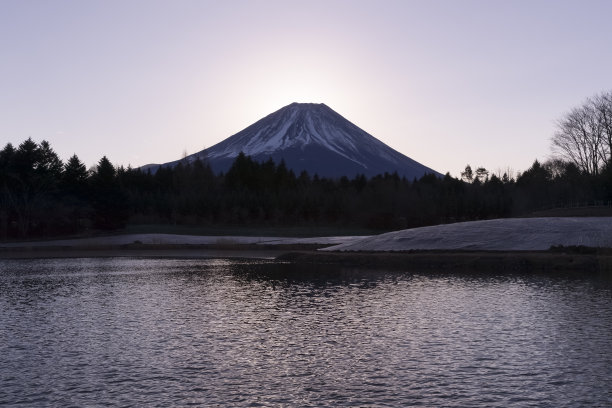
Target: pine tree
108 199
75 172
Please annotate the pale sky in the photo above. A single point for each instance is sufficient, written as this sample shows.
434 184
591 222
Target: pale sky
444 82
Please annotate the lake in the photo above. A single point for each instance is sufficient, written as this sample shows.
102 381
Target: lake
180 332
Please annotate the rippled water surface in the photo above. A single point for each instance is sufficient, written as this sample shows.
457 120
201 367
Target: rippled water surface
151 332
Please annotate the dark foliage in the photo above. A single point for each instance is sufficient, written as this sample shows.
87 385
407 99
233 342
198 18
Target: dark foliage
40 196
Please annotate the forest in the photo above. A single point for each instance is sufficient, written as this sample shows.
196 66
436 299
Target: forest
41 196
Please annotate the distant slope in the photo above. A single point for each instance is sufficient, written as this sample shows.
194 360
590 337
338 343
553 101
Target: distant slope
512 234
314 138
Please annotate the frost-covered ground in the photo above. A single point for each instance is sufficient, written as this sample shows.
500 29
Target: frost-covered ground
514 234
173 239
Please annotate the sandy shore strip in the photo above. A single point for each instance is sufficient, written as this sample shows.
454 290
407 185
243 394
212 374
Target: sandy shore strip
167 245
176 239
151 251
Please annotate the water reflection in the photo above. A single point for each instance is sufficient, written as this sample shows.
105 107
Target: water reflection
218 332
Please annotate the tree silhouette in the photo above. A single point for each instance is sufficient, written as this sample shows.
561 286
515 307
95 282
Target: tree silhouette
467 175
40 197
584 135
30 180
108 199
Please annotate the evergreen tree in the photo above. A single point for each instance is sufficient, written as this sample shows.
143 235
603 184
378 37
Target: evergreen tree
50 164
31 182
108 199
6 169
75 173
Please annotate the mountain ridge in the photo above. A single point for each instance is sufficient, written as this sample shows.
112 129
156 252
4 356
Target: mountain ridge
311 137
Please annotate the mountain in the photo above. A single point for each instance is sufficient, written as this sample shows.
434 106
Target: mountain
314 138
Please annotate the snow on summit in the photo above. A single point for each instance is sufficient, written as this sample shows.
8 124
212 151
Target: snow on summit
295 126
312 137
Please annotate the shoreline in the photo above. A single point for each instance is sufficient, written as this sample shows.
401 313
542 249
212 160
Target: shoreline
249 251
464 261
570 260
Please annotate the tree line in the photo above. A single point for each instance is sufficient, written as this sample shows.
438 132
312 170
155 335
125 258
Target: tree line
42 196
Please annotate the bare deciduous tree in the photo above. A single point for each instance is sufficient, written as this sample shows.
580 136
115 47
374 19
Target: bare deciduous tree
584 135
603 106
467 175
482 174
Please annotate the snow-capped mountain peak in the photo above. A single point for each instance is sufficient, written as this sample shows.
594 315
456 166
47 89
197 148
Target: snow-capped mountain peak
312 137
294 126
